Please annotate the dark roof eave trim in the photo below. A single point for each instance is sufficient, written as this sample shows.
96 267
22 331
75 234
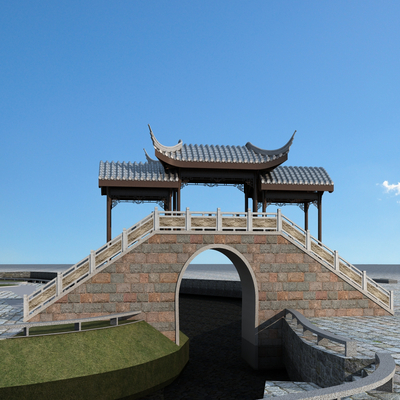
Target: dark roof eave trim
220 165
297 187
153 184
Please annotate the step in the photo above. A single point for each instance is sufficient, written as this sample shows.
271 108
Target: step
282 388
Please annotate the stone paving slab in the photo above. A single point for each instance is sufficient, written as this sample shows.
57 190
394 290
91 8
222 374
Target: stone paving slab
281 388
11 312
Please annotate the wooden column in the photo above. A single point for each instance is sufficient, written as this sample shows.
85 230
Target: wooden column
255 200
246 198
175 199
306 206
109 207
264 202
179 199
170 200
320 216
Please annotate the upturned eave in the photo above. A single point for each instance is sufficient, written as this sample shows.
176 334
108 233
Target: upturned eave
169 162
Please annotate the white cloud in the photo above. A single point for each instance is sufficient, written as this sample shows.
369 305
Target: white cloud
393 187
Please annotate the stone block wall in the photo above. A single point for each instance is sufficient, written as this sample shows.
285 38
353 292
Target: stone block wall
307 363
145 280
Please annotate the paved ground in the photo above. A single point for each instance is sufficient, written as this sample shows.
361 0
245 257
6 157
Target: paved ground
10 311
372 334
216 370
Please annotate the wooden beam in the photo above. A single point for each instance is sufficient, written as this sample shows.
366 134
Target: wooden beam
290 197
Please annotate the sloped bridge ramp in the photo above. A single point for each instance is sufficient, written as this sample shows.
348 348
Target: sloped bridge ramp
280 265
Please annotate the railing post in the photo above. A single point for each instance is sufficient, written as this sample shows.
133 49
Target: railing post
26 306
156 219
188 225
308 240
249 220
350 348
92 261
219 220
364 280
59 287
391 301
336 260
279 220
124 240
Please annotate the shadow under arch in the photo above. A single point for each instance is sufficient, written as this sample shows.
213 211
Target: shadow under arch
249 300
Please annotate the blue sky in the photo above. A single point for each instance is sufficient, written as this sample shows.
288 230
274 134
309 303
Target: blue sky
80 81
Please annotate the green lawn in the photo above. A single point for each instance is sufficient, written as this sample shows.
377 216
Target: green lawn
105 363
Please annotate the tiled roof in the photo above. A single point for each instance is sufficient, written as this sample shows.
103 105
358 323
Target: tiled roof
297 176
248 154
127 171
217 153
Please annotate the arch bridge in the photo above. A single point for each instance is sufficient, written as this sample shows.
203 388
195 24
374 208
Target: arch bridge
280 266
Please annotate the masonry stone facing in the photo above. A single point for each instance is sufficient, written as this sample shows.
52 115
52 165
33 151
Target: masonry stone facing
146 279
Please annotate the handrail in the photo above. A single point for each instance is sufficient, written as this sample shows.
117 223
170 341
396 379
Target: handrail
114 318
200 221
67 280
350 345
383 374
342 267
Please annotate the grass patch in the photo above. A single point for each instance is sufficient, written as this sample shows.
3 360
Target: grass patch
48 358
43 330
8 284
124 361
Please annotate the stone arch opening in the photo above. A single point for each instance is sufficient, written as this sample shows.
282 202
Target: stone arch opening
249 300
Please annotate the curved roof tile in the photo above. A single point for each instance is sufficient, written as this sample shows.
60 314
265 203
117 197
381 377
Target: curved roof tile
148 171
248 154
283 175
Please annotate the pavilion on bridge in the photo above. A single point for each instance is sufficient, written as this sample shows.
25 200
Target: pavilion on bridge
256 172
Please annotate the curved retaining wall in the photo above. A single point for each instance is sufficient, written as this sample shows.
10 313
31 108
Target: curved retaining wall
333 372
307 363
73 365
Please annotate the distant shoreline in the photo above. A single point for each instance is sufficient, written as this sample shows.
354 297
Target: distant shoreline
376 268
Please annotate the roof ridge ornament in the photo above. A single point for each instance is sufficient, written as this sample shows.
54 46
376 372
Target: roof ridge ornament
148 158
282 150
161 148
